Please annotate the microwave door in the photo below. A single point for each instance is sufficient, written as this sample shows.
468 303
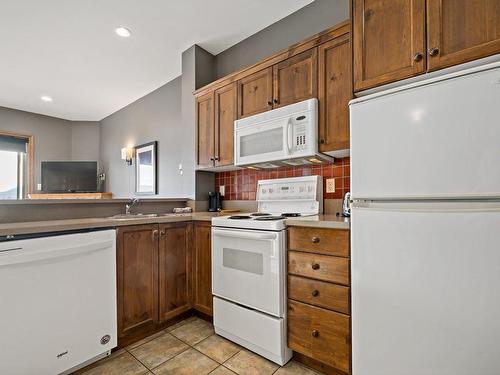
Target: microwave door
263 142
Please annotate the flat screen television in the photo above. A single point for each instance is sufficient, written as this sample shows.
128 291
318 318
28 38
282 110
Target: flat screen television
69 176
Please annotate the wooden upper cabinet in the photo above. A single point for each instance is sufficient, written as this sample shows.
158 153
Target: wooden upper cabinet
225 115
255 93
461 30
205 130
137 278
388 41
296 79
203 267
335 91
175 257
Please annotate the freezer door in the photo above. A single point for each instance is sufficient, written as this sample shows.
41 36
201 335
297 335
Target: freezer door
437 139
426 289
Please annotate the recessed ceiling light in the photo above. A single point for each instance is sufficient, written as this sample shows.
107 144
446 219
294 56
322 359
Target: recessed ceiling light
123 32
46 98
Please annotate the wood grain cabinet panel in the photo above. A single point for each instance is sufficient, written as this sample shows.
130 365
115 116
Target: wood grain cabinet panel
137 278
319 240
225 115
461 30
255 93
319 293
388 40
296 79
320 334
203 268
174 269
335 91
319 267
205 130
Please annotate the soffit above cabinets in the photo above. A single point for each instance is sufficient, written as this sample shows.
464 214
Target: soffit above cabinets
69 50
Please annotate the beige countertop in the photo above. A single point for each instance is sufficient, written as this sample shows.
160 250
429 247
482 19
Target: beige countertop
320 221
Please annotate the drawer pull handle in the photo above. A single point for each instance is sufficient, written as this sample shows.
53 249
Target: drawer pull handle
315 293
315 266
315 333
315 240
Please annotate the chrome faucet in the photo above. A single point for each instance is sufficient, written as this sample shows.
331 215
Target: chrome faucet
131 204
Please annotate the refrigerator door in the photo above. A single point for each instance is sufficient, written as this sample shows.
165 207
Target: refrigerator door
426 289
438 138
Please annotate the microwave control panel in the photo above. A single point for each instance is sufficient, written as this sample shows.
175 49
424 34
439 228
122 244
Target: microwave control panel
300 137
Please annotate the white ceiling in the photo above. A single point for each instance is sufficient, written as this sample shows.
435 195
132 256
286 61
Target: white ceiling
67 49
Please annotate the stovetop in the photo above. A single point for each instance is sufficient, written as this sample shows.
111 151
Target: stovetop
256 220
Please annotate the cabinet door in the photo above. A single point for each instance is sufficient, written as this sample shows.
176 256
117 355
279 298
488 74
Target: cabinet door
389 41
137 279
255 93
205 130
461 30
174 269
296 79
203 268
335 91
225 114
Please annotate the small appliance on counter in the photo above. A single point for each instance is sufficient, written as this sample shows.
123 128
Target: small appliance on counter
214 201
346 205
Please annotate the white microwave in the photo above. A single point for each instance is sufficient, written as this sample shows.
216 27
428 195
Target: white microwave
286 136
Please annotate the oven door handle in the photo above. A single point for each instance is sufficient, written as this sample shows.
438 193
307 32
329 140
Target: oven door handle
245 234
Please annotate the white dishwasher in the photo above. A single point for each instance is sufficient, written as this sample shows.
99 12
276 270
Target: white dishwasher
57 302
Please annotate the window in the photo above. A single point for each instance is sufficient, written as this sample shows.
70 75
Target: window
14 174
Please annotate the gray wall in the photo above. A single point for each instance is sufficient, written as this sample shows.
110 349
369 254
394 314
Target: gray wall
53 138
310 20
154 117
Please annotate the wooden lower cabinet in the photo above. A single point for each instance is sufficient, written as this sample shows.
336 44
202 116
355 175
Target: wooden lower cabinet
320 334
137 279
203 268
163 271
319 298
175 259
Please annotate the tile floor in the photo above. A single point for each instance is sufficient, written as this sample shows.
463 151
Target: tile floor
189 347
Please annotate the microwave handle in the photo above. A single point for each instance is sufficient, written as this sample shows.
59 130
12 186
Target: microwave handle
289 142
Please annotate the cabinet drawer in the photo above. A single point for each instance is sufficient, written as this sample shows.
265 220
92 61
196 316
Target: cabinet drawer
320 267
319 293
319 240
320 334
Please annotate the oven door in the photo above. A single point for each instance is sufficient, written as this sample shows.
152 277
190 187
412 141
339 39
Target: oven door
248 267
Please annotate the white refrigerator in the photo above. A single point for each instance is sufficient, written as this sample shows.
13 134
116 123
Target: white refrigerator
425 162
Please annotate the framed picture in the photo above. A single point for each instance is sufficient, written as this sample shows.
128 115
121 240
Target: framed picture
146 168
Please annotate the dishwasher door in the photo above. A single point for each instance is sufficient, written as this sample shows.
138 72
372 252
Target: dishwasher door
57 302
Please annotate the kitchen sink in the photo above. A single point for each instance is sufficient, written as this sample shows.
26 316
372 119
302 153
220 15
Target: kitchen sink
132 216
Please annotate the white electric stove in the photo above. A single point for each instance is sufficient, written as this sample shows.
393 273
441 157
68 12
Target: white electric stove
249 265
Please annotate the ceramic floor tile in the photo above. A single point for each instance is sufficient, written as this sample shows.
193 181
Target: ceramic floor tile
158 350
194 331
190 362
122 364
294 368
179 324
144 340
221 370
248 363
217 348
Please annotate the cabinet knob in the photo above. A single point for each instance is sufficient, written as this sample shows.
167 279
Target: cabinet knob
315 266
315 333
315 293
212 159
418 57
275 101
269 102
216 158
315 240
155 234
322 141
434 51
162 233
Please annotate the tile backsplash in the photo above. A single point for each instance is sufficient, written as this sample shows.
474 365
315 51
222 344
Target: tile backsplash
242 184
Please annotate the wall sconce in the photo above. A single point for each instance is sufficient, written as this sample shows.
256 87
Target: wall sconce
127 155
